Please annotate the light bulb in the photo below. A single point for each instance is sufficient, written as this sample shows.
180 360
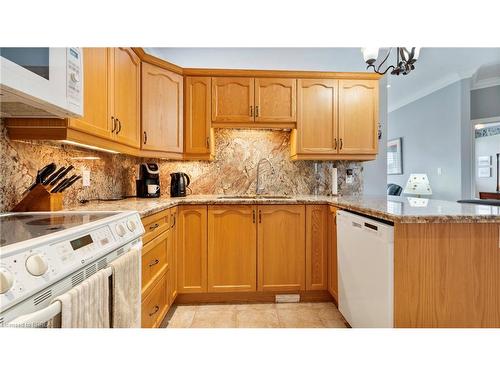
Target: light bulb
370 54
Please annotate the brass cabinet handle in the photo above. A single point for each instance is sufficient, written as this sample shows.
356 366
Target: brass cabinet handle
145 137
253 216
151 227
208 142
153 263
335 144
114 124
341 143
172 217
119 126
260 216
251 111
155 310
256 111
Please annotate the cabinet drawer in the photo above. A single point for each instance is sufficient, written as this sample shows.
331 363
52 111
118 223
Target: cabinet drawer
154 306
154 260
155 224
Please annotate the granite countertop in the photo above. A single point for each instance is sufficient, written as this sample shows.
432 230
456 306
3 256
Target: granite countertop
395 209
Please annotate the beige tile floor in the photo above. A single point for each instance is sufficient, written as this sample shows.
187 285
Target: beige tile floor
265 315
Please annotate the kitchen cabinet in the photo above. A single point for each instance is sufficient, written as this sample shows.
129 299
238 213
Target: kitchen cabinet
358 117
126 91
173 255
275 100
336 120
162 110
317 247
154 306
332 253
192 249
281 248
199 140
232 99
232 248
256 102
154 261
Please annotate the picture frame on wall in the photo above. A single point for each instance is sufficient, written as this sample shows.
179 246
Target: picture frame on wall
394 156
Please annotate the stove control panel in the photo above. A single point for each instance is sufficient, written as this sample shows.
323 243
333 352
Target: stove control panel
24 273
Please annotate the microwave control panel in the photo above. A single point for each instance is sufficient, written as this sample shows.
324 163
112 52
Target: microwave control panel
74 75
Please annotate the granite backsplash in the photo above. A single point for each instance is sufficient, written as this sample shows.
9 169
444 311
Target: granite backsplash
232 172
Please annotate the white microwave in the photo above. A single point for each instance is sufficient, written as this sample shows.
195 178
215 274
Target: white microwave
41 82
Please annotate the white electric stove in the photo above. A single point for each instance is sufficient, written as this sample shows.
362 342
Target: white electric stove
44 254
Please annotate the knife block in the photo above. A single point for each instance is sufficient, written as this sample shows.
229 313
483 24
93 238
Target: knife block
40 199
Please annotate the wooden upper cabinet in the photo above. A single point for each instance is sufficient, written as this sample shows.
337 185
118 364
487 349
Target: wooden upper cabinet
162 97
316 131
232 99
281 248
192 249
232 248
317 247
126 79
358 116
198 135
96 119
275 100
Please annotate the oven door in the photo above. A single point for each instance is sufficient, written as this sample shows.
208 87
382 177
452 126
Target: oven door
48 79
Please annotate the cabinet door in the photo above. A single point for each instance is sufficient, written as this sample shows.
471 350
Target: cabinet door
192 249
162 96
96 118
281 248
275 100
126 78
232 248
173 252
232 99
198 121
316 247
358 117
316 116
332 253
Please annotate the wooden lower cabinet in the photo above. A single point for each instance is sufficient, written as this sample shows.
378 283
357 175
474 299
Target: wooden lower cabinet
332 253
232 248
154 261
173 254
155 304
281 248
316 247
192 249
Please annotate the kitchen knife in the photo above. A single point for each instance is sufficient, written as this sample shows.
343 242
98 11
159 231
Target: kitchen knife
51 178
42 174
60 176
69 183
68 180
58 186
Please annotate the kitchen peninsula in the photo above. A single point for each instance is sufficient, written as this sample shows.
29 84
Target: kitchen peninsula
446 254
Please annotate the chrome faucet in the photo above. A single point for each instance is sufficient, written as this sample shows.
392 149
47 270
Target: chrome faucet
258 188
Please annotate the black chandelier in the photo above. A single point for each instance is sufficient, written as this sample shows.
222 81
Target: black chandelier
406 57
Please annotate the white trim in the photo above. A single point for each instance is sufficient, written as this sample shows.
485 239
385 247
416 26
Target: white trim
485 83
425 91
485 120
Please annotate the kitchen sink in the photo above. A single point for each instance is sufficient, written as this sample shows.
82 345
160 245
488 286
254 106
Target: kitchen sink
254 197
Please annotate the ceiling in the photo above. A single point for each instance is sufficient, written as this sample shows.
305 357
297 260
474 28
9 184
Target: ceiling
436 67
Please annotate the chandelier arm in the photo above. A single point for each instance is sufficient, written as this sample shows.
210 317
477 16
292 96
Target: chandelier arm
385 59
389 67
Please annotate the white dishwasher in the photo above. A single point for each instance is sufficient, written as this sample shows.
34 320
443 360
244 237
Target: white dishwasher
365 251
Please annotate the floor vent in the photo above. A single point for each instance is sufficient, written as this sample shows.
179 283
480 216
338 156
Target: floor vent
77 279
42 297
287 298
89 271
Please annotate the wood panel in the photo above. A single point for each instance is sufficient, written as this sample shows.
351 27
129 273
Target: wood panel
154 261
332 253
317 231
155 224
155 305
447 275
358 117
232 248
192 249
199 137
250 297
173 253
281 247
316 131
232 99
96 118
275 100
162 109
126 89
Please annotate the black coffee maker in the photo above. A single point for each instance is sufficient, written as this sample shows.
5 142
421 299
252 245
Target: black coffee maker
178 184
148 180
